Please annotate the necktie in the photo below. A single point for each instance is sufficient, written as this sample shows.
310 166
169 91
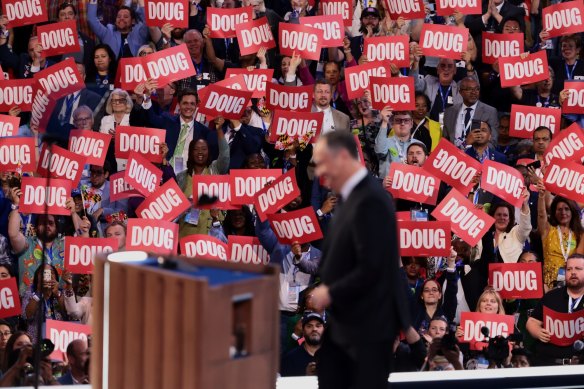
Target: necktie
467 120
182 138
68 110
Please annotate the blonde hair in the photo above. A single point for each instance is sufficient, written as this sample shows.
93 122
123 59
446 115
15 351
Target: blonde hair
490 291
126 95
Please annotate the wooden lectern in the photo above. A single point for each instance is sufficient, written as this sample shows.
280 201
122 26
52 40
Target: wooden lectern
175 322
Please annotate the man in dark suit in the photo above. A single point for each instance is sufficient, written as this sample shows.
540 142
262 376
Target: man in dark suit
458 118
243 141
361 287
78 356
494 14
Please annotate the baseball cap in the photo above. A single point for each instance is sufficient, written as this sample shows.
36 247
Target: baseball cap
370 11
309 315
416 142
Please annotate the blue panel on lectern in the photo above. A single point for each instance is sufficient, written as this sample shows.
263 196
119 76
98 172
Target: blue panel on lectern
214 276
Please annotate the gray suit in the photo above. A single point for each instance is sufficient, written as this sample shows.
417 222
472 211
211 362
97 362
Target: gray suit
341 121
483 112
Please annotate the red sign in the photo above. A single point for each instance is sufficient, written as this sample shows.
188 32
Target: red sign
525 119
221 101
301 125
9 125
130 73
473 322
497 46
575 101
302 40
289 98
357 77
234 82
224 22
408 9
424 239
80 252
61 333
60 79
203 246
517 280
169 65
272 198
517 71
452 166
564 18
213 186
568 144
39 198
503 181
255 80
159 238
120 189
246 183
331 26
58 162
41 108
413 183
467 7
160 12
141 140
565 178
59 38
254 35
90 144
142 175
9 298
397 92
247 249
395 49
299 226
437 40
344 8
564 328
467 222
166 203
24 12
17 154
16 93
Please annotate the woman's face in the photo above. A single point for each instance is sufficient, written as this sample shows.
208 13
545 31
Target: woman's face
431 293
563 214
489 304
284 66
200 153
437 329
4 335
4 273
119 103
22 341
421 108
237 219
569 50
501 216
101 59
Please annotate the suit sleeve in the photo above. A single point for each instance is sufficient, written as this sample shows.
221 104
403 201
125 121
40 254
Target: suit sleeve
99 29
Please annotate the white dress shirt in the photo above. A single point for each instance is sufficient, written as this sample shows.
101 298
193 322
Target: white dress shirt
328 123
461 130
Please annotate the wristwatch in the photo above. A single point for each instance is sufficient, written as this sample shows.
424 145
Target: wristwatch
13 207
319 213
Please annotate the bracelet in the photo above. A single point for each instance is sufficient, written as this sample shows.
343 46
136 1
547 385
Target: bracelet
35 297
14 207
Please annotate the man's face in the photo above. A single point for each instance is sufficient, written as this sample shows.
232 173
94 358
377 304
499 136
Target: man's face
188 105
83 121
118 233
416 156
402 125
47 228
370 21
511 27
328 165
80 355
437 329
446 71
194 42
469 90
257 5
5 333
312 332
255 161
569 49
545 85
575 273
322 95
413 269
66 14
504 127
481 136
97 176
527 258
520 361
541 140
332 74
124 20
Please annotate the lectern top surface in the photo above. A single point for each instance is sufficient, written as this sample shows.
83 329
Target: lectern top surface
214 276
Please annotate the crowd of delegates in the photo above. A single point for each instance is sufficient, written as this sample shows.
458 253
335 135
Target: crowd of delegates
462 101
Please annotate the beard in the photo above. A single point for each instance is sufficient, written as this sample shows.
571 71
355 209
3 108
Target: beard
177 33
46 236
313 339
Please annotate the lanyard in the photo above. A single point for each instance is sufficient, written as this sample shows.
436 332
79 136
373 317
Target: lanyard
444 96
565 253
199 67
573 303
102 83
545 104
421 124
570 74
227 44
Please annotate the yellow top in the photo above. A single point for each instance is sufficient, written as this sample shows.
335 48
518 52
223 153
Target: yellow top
553 258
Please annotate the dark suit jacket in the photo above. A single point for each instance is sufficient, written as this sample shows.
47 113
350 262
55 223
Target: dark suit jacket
475 22
67 379
483 112
360 267
86 97
248 140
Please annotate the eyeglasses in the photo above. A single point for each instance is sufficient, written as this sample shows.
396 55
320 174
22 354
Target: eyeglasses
118 101
5 333
512 28
402 121
433 290
475 89
144 53
82 120
94 173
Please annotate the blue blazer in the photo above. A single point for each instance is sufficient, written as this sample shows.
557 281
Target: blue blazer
247 141
494 155
67 379
86 97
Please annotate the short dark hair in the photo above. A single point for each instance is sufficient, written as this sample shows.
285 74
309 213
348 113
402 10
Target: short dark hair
426 99
125 7
66 5
337 140
510 209
322 81
543 128
187 92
